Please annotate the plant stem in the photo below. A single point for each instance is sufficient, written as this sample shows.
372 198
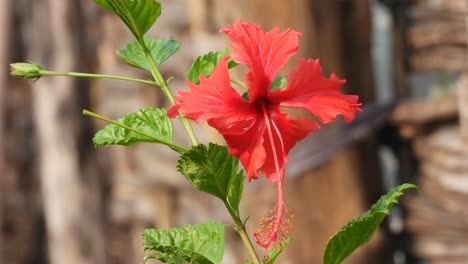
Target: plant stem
173 146
241 84
240 228
99 76
165 88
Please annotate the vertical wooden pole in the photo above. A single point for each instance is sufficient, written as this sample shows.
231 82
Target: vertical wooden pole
71 205
5 28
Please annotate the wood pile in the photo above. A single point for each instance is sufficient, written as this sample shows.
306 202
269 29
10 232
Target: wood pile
437 35
436 39
438 218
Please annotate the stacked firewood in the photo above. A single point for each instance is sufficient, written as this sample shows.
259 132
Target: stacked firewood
437 216
437 35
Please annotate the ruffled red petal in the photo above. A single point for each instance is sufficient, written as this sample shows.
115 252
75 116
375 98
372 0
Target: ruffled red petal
264 53
286 133
215 100
247 146
307 88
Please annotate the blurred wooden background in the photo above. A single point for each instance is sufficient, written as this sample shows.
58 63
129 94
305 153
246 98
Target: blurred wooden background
62 200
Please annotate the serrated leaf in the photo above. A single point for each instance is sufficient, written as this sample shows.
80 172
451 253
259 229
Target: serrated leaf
360 230
274 253
198 244
104 4
138 15
160 49
204 65
213 170
150 121
279 82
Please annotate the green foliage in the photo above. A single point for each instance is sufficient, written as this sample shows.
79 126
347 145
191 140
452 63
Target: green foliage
160 49
25 70
213 170
138 15
205 65
274 253
152 123
360 230
198 244
279 82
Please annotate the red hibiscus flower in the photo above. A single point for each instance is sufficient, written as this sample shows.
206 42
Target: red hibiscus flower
256 130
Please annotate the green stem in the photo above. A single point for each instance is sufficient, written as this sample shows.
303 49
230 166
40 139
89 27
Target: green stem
241 84
164 87
240 228
99 76
105 119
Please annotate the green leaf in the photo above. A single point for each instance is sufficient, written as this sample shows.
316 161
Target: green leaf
150 121
198 244
138 15
213 170
204 65
279 82
104 4
274 253
160 49
360 230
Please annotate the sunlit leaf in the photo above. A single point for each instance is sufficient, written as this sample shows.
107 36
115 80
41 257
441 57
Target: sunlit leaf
360 230
138 15
198 244
160 49
275 252
213 170
152 122
204 65
279 82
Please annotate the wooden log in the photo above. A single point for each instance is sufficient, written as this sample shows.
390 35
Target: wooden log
443 149
444 58
420 112
432 248
458 6
433 33
425 217
445 190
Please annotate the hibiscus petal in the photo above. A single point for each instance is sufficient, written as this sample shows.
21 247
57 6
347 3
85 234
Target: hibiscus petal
286 132
215 100
307 88
264 53
247 146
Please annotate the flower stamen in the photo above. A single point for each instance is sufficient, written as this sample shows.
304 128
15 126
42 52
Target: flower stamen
275 227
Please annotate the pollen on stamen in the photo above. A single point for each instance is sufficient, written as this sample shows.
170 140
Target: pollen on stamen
275 228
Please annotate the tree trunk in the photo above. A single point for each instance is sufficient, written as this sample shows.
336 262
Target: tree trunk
71 202
5 29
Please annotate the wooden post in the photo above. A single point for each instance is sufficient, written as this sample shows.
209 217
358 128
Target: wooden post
5 28
71 201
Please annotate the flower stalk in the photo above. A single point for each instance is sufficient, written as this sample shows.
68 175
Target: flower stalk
240 228
165 88
97 76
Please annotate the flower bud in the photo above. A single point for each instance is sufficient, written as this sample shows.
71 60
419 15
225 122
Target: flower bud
25 70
